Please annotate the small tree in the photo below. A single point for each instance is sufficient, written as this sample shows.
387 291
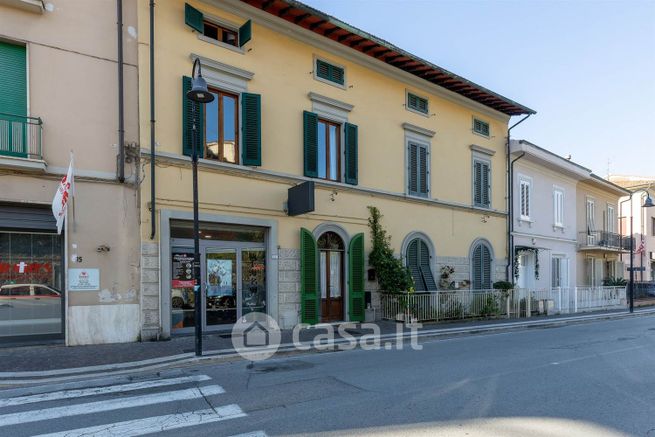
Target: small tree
392 275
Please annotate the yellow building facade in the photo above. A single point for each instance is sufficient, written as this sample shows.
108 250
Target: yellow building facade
300 96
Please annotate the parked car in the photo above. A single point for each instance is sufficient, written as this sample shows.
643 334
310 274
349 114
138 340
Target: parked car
29 309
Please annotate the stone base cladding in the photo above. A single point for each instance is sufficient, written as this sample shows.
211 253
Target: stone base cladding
288 293
462 267
150 291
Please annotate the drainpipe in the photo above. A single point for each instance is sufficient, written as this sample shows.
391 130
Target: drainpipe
121 120
510 203
153 225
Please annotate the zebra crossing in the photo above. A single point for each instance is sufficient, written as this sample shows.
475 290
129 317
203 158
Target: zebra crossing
95 403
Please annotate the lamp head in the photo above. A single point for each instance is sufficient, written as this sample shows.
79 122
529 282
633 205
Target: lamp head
199 92
648 203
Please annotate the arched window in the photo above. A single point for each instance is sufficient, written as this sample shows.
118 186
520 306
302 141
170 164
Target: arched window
418 261
481 260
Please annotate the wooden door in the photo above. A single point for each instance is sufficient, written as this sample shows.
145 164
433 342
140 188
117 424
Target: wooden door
331 268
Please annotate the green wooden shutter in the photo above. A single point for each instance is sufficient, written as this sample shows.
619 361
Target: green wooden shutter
13 99
322 69
13 79
413 264
412 169
423 171
245 33
308 277
477 183
351 153
310 140
485 185
424 266
477 268
251 128
193 18
187 122
336 74
486 267
356 278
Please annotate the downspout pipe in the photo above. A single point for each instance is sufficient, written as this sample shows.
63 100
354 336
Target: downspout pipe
153 216
121 118
510 203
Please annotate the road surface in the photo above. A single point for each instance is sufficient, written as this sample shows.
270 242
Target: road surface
586 379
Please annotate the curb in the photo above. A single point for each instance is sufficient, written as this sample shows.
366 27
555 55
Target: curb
218 356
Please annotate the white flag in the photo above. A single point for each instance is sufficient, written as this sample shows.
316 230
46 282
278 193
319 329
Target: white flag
65 190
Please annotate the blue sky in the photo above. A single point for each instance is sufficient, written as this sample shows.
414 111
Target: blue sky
586 67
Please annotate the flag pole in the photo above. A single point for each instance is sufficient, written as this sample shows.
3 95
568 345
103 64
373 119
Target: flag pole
72 159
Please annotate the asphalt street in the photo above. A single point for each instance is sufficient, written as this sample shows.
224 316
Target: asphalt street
585 379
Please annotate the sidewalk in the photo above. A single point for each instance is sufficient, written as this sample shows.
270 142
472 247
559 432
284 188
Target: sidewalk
52 360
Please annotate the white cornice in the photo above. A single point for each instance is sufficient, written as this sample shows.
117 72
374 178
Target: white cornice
223 68
483 150
308 37
418 130
338 104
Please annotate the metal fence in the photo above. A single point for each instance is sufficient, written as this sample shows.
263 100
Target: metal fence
20 136
473 304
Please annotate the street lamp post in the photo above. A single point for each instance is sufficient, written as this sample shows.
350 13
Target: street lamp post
199 94
648 203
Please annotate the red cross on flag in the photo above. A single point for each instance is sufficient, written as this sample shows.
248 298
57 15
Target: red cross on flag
642 246
65 190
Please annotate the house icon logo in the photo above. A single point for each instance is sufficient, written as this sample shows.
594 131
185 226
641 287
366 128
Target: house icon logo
256 336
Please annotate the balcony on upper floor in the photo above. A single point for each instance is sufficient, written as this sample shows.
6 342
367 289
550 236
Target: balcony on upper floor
20 142
604 241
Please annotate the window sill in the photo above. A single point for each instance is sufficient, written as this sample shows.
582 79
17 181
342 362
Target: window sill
416 111
475 205
204 38
525 220
558 228
481 135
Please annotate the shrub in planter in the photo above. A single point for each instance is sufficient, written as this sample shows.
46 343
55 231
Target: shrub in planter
392 275
503 285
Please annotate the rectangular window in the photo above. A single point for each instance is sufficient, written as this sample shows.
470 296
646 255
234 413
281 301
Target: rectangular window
557 272
222 127
417 171
610 226
591 212
221 33
558 207
525 199
330 72
329 150
416 103
480 127
652 226
481 183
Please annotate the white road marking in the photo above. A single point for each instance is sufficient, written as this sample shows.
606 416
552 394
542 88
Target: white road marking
252 434
108 405
155 424
93 391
